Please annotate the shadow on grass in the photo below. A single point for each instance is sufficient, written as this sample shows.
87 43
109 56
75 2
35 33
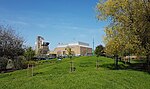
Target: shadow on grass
5 75
113 67
128 66
37 73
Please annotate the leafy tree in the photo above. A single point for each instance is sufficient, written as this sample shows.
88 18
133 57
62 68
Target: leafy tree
69 52
29 53
99 51
129 27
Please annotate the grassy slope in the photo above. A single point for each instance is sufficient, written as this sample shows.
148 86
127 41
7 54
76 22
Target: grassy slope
57 76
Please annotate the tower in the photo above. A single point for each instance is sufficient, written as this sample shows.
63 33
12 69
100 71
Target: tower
39 42
41 46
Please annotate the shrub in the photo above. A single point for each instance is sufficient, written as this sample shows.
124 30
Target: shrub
31 62
3 63
20 62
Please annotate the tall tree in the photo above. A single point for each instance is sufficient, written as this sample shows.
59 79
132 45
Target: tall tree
130 21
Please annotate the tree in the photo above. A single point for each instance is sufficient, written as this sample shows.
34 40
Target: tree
99 51
130 21
69 52
29 53
11 46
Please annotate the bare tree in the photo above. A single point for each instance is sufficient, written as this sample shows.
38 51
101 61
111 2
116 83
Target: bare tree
11 46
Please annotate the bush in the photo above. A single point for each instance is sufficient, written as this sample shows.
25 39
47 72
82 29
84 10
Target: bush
3 63
31 62
20 62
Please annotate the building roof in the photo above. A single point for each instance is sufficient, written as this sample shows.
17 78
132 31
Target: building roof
74 44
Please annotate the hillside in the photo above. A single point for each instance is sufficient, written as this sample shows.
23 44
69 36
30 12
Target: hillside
54 74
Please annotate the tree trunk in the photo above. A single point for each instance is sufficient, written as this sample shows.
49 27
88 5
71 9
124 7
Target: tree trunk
116 61
148 62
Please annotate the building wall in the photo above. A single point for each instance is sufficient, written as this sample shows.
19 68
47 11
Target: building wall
76 50
40 48
59 51
85 51
39 42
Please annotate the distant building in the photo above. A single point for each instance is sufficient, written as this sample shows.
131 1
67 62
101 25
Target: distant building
41 46
77 49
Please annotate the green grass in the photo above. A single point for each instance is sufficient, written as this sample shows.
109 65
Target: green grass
55 74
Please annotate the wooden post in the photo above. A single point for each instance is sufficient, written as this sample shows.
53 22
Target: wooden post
71 64
32 69
28 70
116 61
97 64
72 68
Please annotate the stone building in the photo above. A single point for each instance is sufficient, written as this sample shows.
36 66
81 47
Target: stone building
77 49
41 46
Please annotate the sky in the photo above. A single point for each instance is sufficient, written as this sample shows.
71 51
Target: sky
58 21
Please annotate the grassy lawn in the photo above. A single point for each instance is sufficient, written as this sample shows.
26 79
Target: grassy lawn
53 74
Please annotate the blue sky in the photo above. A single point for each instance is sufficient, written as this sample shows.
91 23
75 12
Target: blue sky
58 21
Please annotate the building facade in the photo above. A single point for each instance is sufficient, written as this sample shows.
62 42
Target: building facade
77 49
41 46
